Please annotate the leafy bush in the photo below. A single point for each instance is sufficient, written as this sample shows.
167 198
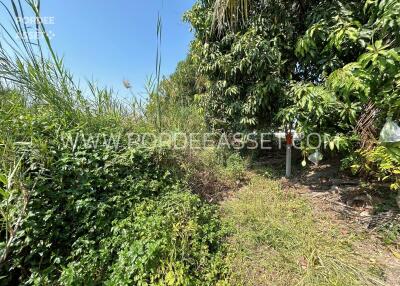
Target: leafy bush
223 162
117 215
383 163
92 215
165 241
390 233
235 166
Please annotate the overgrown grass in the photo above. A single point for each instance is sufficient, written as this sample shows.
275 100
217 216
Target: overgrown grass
92 215
99 216
278 240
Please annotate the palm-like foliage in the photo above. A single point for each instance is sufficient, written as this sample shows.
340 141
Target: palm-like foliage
230 13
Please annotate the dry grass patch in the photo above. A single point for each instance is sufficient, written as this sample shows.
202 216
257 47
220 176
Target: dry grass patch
278 240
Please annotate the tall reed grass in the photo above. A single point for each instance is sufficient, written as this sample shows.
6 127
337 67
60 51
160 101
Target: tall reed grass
32 67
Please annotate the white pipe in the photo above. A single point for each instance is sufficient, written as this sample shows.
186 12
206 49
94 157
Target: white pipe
288 160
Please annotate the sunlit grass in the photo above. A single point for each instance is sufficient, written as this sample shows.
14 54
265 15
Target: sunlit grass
278 240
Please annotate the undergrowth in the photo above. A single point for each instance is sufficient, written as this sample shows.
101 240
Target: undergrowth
110 214
113 217
276 240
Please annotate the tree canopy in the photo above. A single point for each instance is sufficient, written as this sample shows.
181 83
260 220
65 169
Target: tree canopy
286 52
317 66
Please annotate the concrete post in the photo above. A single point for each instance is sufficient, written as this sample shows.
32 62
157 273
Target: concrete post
288 161
289 143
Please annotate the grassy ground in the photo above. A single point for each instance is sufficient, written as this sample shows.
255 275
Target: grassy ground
277 239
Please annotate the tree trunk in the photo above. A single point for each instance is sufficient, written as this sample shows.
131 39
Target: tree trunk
398 199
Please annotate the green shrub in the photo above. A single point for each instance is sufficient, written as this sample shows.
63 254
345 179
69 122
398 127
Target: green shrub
93 216
235 166
390 233
381 163
117 215
165 241
222 162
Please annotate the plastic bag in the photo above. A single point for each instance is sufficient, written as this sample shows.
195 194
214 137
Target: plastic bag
316 157
390 132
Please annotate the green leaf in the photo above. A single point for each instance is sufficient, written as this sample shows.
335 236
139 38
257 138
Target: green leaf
4 194
332 145
3 179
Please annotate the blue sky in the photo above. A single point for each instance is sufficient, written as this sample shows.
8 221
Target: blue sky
109 41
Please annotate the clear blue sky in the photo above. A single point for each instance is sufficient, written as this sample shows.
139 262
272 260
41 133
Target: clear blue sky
114 40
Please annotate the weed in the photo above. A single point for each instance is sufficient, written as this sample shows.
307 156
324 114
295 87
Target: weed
277 241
